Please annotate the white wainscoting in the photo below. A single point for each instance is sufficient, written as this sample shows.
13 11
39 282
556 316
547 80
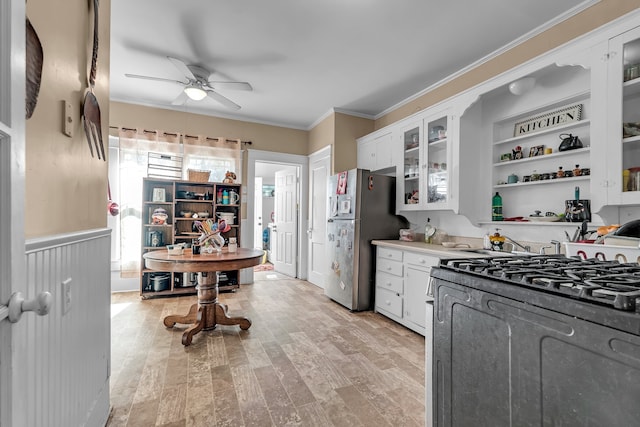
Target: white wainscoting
69 353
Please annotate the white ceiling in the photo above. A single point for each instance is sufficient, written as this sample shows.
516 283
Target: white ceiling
307 57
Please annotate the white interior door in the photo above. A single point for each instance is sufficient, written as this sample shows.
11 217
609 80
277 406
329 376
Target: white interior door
285 229
258 224
319 165
13 338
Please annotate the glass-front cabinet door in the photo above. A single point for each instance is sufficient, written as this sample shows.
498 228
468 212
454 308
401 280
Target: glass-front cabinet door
425 183
411 196
623 119
437 162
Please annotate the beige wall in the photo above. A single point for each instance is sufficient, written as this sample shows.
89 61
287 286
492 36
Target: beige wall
262 137
322 135
340 131
347 129
66 189
589 19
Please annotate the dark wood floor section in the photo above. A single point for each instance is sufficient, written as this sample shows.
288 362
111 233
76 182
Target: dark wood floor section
305 361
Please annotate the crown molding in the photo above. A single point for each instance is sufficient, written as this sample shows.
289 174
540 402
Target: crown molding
531 34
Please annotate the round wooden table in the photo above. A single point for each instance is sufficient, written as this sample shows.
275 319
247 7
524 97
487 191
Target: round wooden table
207 312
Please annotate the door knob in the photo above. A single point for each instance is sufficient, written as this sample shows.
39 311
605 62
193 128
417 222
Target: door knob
40 304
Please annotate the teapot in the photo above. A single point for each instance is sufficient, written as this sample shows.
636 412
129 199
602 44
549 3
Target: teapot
569 142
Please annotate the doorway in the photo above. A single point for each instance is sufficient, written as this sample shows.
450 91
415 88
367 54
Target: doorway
265 164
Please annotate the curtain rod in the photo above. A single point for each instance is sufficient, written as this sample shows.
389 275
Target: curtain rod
175 134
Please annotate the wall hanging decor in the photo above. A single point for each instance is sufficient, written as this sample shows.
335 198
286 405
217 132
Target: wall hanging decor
33 70
540 122
91 108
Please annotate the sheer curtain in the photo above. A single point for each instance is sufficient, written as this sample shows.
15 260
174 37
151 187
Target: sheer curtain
217 155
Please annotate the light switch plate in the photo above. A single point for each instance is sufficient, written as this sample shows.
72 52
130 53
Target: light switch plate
68 119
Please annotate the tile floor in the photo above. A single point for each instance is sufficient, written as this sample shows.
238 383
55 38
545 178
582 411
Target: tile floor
305 361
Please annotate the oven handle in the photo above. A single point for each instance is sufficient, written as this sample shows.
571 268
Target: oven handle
428 365
429 293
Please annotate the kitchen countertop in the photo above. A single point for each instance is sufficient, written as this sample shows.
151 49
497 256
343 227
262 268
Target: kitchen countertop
436 250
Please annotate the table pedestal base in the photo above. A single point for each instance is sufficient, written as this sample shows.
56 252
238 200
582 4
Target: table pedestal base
207 313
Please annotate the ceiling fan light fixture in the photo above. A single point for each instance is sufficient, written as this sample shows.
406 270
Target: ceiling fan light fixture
195 92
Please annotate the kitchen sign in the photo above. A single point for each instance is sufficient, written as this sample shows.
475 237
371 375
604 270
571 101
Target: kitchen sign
547 120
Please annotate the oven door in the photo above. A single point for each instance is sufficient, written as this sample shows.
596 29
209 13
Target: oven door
428 356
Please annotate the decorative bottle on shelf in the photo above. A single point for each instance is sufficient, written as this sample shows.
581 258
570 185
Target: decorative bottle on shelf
560 172
225 197
219 197
496 207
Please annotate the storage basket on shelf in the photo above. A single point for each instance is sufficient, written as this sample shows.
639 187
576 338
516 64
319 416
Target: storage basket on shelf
198 175
622 254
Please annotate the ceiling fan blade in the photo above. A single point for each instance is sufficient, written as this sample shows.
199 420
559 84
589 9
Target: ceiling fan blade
223 100
180 65
158 79
231 85
181 99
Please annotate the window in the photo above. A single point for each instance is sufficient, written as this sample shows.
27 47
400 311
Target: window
128 165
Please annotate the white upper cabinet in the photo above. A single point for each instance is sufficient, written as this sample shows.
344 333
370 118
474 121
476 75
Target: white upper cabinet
427 156
376 151
620 181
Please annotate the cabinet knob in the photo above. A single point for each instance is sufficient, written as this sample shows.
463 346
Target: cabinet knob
388 302
388 268
422 260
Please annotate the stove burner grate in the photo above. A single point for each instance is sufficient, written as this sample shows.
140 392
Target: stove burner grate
602 282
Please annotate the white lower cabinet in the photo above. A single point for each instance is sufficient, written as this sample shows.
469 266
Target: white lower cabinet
401 285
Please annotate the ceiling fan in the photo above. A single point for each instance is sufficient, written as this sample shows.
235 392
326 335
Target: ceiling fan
198 86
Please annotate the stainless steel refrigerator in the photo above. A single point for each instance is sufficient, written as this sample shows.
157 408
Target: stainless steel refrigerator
361 209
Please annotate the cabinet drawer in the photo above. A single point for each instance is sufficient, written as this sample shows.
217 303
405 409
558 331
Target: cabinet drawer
389 266
389 301
387 253
389 282
424 260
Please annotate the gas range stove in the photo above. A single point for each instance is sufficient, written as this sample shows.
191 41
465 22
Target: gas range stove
605 292
542 340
